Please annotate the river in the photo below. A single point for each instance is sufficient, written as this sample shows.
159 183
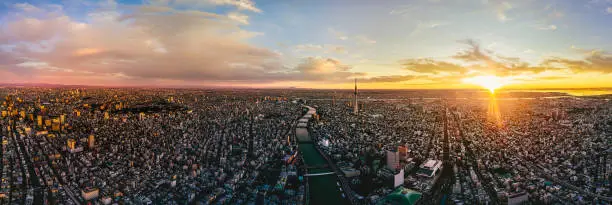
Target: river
323 189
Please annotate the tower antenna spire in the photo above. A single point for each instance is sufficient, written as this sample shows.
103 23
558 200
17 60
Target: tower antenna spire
356 106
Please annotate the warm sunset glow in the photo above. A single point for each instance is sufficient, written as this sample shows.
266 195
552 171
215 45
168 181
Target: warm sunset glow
489 82
86 51
494 114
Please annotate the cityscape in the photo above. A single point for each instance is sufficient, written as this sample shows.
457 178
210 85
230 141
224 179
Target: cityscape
317 102
183 146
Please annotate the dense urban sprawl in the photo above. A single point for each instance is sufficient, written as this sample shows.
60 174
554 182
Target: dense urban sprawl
178 146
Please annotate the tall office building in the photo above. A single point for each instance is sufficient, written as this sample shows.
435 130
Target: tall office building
334 100
71 144
55 125
393 159
90 193
356 106
403 152
91 141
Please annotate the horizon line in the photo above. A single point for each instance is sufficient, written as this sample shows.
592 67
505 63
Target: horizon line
34 85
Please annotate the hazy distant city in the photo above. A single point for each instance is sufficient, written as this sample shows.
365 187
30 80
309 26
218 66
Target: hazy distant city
297 146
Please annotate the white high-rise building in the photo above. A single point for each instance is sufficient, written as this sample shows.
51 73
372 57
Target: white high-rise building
393 159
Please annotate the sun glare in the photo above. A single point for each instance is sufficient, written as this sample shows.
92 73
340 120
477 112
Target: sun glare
489 82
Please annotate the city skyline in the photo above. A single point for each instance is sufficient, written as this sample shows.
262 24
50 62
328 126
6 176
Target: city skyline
421 44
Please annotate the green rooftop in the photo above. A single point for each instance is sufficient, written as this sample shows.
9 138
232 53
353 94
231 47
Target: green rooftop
402 196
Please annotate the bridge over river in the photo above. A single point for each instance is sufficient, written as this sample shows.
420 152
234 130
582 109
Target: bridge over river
319 174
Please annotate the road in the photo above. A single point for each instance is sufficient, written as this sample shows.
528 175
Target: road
444 183
23 152
472 157
63 184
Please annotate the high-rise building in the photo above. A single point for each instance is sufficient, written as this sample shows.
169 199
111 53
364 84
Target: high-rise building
393 159
398 178
403 151
55 125
91 141
71 144
39 120
90 193
334 100
429 168
356 106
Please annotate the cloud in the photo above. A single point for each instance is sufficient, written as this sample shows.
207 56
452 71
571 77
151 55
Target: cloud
238 17
549 27
359 39
475 54
315 65
552 78
41 65
431 66
33 30
489 62
475 61
240 4
152 42
585 52
421 26
609 10
149 44
318 69
594 61
388 79
325 48
27 7
364 40
246 5
338 34
402 10
502 8
308 47
338 49
553 12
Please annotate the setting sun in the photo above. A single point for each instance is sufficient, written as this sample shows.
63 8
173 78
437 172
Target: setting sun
489 82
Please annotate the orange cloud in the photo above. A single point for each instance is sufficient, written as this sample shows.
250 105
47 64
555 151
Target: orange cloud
87 51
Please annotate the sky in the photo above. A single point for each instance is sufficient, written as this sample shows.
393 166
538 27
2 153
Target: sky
410 44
